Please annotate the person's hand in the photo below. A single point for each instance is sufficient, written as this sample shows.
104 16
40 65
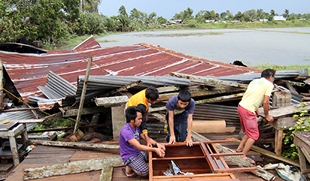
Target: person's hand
269 118
160 146
172 139
148 142
189 141
160 152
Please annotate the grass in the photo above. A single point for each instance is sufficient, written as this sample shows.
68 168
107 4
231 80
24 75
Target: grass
182 34
281 67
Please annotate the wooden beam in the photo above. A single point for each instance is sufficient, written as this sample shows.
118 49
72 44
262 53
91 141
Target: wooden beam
84 145
284 111
111 101
1 85
74 112
208 81
167 89
78 117
221 98
271 154
203 101
200 93
104 164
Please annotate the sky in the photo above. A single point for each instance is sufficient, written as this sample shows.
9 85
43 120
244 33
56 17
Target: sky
168 8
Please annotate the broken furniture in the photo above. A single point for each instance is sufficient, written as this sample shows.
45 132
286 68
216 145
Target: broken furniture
202 161
302 141
11 130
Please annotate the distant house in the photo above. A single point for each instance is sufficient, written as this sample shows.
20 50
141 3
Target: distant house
279 18
178 21
210 21
235 21
263 20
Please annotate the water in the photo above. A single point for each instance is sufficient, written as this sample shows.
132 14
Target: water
279 46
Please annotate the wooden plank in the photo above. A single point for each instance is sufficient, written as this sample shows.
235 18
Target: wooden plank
271 154
280 123
89 110
85 145
278 142
209 81
73 167
284 111
111 101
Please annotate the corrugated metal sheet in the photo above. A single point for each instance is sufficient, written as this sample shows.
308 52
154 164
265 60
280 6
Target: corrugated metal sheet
29 71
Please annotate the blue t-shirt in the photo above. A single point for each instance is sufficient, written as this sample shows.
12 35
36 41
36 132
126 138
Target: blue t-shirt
126 134
180 115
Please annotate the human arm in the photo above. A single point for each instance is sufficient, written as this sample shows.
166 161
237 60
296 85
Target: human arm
159 151
171 127
142 107
189 141
266 107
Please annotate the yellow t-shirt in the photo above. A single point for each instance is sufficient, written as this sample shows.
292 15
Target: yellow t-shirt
254 95
138 98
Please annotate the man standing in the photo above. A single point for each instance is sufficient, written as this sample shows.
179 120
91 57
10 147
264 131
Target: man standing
179 115
143 100
257 94
134 154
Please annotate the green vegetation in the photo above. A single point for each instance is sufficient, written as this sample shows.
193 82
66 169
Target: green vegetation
302 124
56 123
280 67
62 23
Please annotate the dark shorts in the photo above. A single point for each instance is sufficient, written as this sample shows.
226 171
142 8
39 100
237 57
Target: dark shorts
139 163
180 132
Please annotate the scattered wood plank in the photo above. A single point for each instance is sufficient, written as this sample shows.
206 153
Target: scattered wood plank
271 154
111 101
284 111
208 81
82 145
104 164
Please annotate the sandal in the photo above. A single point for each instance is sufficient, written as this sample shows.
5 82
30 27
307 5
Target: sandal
129 175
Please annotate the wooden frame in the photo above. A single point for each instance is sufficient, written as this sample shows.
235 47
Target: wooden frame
202 159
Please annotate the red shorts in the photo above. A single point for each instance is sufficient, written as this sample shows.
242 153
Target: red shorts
248 123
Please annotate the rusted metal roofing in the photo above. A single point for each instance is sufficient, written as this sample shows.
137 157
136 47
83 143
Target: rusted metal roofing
29 71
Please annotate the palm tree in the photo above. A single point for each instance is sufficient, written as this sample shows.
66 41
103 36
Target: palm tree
89 5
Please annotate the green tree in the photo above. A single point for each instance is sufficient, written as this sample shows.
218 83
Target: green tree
286 13
161 20
239 16
250 15
122 11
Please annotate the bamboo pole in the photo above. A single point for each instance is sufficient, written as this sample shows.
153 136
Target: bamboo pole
1 84
78 117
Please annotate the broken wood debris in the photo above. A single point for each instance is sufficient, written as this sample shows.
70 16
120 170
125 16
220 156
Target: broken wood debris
104 164
84 145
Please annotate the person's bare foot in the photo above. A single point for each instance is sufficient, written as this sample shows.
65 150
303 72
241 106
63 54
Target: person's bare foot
248 160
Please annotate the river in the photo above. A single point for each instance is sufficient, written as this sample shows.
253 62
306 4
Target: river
276 46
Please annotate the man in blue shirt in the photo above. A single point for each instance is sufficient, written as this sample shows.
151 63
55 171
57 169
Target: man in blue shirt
179 115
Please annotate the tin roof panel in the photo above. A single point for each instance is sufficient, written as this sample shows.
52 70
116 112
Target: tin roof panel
28 71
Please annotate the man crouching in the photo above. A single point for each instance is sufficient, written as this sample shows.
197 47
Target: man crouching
135 155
